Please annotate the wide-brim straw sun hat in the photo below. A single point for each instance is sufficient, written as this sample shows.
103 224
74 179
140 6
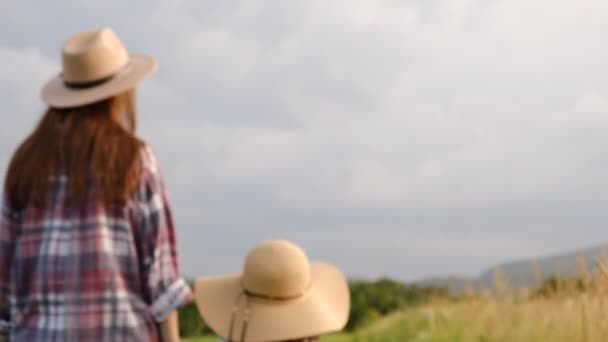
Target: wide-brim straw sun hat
96 66
279 296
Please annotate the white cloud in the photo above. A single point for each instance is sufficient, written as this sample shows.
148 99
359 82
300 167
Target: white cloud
590 107
276 114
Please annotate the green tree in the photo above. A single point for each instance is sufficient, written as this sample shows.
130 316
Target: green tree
371 300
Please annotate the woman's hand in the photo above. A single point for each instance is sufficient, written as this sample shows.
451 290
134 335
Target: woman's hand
169 328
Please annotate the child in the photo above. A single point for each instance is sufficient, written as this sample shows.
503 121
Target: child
280 296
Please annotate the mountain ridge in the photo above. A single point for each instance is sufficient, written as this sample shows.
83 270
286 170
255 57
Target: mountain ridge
524 272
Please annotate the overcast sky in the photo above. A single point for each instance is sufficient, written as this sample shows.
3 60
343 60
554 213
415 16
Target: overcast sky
404 138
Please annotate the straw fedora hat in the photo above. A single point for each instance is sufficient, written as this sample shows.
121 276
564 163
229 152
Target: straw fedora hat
96 66
279 296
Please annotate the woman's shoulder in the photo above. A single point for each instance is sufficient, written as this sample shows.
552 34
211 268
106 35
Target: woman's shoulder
149 161
150 176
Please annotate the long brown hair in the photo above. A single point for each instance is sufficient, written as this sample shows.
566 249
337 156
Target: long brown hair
93 145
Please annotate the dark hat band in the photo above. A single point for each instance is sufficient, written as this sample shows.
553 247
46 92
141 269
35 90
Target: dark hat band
94 83
274 298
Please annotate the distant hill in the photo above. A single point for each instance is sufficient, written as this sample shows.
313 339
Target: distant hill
525 272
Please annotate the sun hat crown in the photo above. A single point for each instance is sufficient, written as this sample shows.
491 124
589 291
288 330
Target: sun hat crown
276 269
93 55
95 66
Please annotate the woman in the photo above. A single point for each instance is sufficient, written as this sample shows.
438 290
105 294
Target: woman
280 296
87 242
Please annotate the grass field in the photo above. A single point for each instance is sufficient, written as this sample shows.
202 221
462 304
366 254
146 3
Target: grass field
567 318
564 314
572 318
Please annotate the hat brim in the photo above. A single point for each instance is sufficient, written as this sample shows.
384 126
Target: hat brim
57 95
323 309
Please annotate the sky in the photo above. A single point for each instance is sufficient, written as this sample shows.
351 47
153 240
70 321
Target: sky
401 138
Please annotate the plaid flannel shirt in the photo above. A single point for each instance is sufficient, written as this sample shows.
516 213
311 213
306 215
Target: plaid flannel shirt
95 273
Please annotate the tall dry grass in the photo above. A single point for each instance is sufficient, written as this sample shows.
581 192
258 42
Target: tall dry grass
574 311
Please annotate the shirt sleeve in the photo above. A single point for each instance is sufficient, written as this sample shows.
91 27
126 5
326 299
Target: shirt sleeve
8 233
164 288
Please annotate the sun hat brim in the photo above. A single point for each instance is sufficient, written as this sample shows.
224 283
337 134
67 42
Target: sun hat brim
57 95
324 308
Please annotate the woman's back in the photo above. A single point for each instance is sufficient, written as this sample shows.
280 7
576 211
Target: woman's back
84 273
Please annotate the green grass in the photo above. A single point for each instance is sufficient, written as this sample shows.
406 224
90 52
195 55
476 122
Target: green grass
201 339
